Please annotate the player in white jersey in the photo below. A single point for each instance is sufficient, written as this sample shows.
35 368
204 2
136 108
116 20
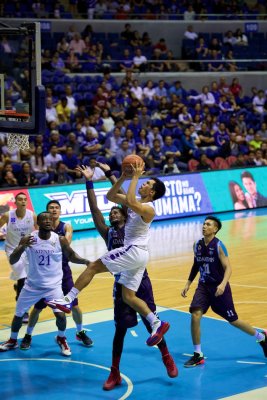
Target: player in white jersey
20 222
44 249
127 263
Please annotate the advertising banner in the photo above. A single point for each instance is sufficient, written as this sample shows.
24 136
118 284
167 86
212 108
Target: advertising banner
186 195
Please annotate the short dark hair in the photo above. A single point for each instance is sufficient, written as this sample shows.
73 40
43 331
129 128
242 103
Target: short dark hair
247 174
40 216
121 210
53 202
159 188
216 220
19 194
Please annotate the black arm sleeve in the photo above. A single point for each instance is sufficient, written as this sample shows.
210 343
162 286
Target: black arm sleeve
194 271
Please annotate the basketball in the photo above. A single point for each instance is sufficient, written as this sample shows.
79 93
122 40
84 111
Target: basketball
127 163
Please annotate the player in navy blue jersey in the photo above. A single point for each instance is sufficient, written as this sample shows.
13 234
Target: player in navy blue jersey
125 317
62 229
213 290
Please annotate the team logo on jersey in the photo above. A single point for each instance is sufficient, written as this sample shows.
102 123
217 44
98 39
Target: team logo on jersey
199 247
13 220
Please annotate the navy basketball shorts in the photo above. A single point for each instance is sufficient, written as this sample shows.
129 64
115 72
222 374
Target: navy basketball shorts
223 305
124 315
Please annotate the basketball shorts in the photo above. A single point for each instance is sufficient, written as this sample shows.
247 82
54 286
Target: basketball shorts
128 264
223 305
67 285
30 296
124 315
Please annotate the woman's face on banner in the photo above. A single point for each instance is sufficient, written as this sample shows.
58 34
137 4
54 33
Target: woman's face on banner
239 193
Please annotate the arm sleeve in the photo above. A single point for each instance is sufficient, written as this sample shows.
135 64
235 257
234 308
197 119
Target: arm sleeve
194 271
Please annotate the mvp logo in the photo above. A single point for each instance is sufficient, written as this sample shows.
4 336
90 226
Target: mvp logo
75 203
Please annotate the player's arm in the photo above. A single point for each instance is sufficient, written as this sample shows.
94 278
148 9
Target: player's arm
114 194
25 241
4 219
70 254
68 232
223 256
147 212
193 273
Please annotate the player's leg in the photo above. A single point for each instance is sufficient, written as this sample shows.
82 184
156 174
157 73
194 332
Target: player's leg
81 332
199 306
159 328
114 377
25 301
67 285
61 340
25 344
224 306
145 292
65 303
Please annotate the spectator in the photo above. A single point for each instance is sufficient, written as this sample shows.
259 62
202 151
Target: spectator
90 146
153 134
202 50
50 111
229 39
156 65
190 34
60 175
71 161
142 144
71 102
127 63
144 119
263 132
189 14
222 141
26 177
204 165
137 91
236 88
256 143
58 140
63 46
63 111
127 34
131 141
122 152
258 103
140 61
116 110
112 144
259 160
108 121
160 90
8 179
172 65
99 174
149 91
185 118
206 97
77 44
136 40
161 46
38 163
156 156
216 64
51 160
72 62
170 167
240 38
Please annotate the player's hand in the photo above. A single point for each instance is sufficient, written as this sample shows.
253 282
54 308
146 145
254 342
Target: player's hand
185 290
138 169
87 172
104 167
220 290
26 241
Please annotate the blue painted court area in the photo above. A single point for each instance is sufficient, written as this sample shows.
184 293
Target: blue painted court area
235 364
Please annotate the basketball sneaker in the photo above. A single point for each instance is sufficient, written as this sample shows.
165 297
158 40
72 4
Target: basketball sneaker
196 359
63 304
263 343
64 347
158 330
9 345
25 344
82 337
170 365
113 380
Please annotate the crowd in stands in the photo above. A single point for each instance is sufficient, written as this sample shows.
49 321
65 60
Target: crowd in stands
133 9
223 52
174 129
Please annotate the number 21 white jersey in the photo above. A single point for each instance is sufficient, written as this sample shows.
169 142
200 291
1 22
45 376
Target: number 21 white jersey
45 262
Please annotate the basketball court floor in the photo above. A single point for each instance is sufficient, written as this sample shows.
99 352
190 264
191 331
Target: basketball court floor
235 367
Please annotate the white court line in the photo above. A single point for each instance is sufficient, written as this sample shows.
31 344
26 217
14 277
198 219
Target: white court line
125 377
251 362
257 394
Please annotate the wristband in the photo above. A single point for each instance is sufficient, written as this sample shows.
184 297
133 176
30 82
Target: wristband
89 185
108 173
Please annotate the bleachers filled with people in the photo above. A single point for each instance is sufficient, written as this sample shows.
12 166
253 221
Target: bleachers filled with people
133 9
173 128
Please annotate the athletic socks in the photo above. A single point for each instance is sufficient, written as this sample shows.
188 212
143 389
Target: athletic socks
259 336
72 294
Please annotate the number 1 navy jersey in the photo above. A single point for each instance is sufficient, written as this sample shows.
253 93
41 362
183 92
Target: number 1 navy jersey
208 262
60 230
115 238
